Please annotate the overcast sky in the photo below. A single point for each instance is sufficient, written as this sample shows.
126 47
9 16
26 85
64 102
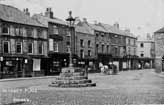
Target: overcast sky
140 16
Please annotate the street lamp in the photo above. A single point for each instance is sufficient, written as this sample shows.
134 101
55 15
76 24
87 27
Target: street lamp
17 64
23 72
71 22
1 59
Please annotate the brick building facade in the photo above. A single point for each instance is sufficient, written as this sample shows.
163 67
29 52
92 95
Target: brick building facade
159 50
85 43
23 43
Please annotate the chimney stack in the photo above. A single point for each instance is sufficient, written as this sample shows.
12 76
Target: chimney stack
49 13
85 20
95 22
26 11
148 36
127 30
116 25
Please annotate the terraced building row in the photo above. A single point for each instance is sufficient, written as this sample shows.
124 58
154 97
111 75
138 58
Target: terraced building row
40 44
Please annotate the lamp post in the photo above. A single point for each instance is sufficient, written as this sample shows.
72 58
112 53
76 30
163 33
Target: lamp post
23 72
17 64
1 59
71 21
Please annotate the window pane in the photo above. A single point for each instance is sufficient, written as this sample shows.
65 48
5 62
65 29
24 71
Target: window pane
40 48
55 46
55 30
30 48
19 47
5 28
39 33
17 31
81 43
29 32
6 47
89 43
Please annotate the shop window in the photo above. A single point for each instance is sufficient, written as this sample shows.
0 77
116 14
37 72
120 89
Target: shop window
40 48
18 47
6 47
5 29
30 48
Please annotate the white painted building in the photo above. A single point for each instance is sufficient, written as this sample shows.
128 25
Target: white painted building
146 50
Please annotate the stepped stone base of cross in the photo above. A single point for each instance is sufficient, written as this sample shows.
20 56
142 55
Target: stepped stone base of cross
72 77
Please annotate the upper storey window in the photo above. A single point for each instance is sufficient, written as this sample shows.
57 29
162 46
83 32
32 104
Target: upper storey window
18 31
5 29
39 33
29 32
55 30
141 45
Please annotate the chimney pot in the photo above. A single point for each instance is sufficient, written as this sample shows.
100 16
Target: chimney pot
26 11
49 13
85 20
116 25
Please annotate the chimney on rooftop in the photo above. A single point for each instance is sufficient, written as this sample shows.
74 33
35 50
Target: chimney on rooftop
148 36
127 30
26 11
49 13
95 22
85 20
116 25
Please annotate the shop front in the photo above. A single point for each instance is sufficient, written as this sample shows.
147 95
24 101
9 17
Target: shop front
15 67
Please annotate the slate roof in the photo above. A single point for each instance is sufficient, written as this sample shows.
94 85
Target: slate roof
160 30
12 14
44 20
98 28
83 27
112 29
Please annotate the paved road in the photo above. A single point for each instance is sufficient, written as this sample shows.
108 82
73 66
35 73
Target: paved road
128 87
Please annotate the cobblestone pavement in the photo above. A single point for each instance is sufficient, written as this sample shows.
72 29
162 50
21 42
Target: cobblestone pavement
128 87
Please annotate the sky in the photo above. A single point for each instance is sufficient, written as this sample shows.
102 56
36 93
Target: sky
140 16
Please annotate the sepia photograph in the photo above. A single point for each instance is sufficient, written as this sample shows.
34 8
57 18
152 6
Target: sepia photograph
81 52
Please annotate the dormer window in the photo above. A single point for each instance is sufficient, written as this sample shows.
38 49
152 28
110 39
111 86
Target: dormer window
5 29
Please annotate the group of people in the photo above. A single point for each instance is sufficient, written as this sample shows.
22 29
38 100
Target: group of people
108 69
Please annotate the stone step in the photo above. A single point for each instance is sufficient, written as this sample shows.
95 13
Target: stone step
72 81
72 74
71 78
73 85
